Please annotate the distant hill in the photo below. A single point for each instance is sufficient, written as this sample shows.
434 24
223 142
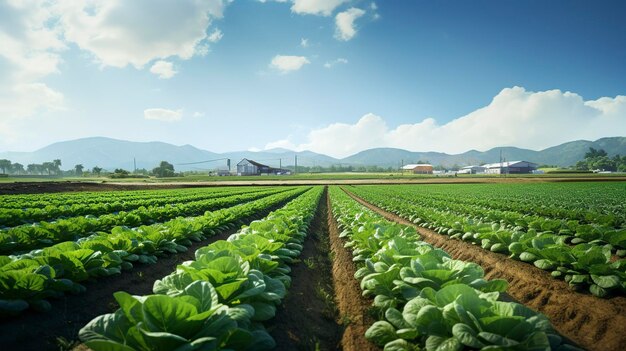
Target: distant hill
561 155
112 153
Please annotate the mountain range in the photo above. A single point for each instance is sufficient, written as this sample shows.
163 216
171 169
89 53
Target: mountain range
113 153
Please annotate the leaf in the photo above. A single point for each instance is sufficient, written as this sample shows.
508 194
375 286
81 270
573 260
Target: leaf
263 311
205 293
161 340
451 292
441 343
172 284
395 318
606 281
466 335
130 305
162 313
380 333
106 332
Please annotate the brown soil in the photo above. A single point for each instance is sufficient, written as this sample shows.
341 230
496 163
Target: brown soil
70 186
593 323
353 307
307 318
38 331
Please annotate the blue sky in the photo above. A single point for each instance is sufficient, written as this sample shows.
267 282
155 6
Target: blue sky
333 76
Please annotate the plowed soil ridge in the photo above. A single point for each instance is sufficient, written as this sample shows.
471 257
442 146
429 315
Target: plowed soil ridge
38 331
353 307
591 322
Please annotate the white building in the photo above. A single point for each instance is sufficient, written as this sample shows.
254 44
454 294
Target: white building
472 170
511 167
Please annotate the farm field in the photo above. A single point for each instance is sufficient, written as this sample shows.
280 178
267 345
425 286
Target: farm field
505 266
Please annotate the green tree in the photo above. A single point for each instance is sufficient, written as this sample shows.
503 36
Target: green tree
78 169
165 169
603 163
56 166
96 170
17 168
5 165
48 167
593 153
31 168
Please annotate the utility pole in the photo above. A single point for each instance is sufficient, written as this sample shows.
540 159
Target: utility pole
280 163
296 165
501 162
134 165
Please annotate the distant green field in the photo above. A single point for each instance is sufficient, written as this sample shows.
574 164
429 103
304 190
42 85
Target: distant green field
301 176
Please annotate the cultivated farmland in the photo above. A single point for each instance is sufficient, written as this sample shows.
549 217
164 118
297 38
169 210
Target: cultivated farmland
396 267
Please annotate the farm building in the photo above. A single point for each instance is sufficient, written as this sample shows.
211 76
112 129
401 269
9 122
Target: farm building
418 168
512 167
471 170
248 167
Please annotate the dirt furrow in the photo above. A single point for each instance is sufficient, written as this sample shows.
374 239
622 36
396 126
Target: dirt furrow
593 323
353 307
307 318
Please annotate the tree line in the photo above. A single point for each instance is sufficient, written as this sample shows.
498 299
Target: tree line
53 168
600 160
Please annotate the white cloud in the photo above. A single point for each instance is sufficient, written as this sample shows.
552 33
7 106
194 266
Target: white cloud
287 64
340 60
163 69
304 42
119 33
344 21
198 114
316 7
216 35
515 117
29 51
161 114
373 6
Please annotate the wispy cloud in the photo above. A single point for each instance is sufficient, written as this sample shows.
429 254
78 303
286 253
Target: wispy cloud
161 114
163 69
340 60
344 21
316 7
286 64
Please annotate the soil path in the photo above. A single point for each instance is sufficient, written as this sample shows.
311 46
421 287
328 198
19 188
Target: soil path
593 323
353 307
26 187
307 319
38 331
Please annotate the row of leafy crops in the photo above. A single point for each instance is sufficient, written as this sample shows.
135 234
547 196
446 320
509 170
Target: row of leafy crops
602 204
29 280
425 299
587 266
24 214
573 231
219 300
39 235
23 201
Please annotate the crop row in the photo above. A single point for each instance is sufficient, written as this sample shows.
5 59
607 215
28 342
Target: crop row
425 299
15 216
29 280
219 300
587 266
39 235
573 231
590 203
22 201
